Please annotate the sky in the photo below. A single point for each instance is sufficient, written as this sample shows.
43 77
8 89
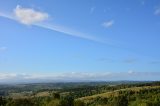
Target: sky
79 40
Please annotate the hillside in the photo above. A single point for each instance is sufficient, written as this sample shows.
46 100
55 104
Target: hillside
81 94
135 96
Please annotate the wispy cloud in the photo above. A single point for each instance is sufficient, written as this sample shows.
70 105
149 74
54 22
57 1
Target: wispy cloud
68 31
7 76
131 72
157 11
104 59
108 24
130 61
92 9
143 2
29 16
2 49
79 76
59 76
6 15
155 62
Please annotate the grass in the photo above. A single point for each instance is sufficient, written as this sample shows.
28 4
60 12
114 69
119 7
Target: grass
115 93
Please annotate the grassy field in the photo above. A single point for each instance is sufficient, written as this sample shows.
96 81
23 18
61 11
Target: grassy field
115 93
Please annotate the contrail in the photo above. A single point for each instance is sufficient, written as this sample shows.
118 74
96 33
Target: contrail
58 28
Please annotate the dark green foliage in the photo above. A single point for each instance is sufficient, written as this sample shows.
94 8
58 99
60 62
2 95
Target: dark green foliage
56 95
79 103
21 102
2 101
67 95
67 101
121 101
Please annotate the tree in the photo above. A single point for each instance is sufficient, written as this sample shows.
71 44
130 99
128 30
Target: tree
21 102
67 101
2 101
121 101
79 103
54 103
56 95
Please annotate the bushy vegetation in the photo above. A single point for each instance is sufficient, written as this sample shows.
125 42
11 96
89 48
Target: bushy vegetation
137 94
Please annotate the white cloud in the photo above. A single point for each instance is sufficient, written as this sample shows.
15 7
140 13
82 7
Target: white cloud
130 72
108 24
2 49
7 76
29 16
78 76
70 76
27 20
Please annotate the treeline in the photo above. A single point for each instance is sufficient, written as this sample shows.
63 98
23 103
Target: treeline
80 89
55 100
69 96
142 97
83 91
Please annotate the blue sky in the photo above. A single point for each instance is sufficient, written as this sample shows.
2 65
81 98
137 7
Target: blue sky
96 40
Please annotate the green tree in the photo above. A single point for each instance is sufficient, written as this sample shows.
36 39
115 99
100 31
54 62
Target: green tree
2 101
121 101
67 101
79 103
21 102
56 95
